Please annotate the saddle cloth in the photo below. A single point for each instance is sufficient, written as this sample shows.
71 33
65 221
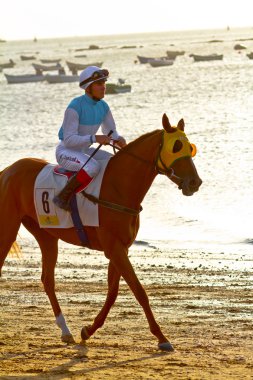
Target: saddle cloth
48 184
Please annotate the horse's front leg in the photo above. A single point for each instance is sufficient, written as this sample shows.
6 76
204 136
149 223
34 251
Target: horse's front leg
119 257
113 288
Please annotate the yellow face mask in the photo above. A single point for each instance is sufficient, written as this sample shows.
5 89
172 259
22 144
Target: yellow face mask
175 145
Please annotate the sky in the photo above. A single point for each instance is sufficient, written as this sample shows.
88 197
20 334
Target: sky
26 19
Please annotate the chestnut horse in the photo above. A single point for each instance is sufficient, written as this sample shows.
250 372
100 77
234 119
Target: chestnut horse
127 178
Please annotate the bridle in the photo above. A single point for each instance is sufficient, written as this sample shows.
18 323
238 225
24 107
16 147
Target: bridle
168 171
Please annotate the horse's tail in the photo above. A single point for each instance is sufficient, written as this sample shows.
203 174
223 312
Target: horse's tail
15 250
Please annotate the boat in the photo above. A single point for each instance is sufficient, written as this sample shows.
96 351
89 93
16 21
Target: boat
39 67
62 78
27 57
74 66
7 65
172 54
161 62
250 55
210 57
239 47
80 56
50 60
26 78
117 88
148 59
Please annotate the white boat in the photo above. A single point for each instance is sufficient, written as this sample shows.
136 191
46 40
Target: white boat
61 78
148 59
210 57
161 62
74 66
39 67
26 78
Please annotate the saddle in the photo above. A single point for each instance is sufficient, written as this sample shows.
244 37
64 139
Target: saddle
49 182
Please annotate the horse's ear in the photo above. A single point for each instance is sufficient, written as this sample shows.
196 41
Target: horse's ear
180 125
166 124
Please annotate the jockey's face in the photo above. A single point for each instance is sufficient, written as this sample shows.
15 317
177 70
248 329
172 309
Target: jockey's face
97 89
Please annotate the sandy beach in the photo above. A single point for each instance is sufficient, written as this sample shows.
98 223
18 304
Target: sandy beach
205 310
200 283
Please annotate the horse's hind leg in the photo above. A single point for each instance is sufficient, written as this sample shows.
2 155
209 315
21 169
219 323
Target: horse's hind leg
49 249
113 288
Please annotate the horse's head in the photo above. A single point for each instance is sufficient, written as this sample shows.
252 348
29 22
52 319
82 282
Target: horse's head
175 158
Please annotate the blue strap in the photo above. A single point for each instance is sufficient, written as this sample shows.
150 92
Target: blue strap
78 223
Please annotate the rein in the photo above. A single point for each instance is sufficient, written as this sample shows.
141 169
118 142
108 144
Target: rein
169 172
111 205
130 154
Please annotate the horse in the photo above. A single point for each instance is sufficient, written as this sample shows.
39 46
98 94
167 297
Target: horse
127 178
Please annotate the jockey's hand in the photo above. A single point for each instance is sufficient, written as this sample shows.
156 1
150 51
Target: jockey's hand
121 142
102 139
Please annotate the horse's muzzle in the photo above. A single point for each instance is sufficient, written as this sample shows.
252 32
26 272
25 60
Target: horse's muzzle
189 187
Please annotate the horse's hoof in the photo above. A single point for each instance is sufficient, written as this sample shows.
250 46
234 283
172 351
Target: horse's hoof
166 346
84 333
68 339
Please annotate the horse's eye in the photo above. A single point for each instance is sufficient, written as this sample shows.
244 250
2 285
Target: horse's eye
177 146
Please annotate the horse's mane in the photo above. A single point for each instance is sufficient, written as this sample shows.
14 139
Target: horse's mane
138 141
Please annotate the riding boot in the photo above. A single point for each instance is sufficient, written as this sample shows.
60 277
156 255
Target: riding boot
76 183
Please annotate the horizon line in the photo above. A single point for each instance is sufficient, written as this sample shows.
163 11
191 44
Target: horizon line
227 28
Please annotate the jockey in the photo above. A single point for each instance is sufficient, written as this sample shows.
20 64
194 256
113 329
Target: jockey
83 117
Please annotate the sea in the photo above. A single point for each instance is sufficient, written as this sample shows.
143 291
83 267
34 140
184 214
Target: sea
214 98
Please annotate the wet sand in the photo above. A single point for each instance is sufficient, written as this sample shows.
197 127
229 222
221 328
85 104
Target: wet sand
203 301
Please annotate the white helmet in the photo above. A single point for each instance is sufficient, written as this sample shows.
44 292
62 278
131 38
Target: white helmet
92 74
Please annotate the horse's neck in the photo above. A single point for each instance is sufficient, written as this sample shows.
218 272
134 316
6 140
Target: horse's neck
132 171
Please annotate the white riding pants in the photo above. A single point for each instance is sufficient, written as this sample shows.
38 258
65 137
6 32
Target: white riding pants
74 160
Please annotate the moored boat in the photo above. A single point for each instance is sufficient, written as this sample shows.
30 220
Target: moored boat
39 67
117 88
75 66
61 78
161 62
148 59
172 54
27 57
210 57
26 78
7 65
239 47
57 60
